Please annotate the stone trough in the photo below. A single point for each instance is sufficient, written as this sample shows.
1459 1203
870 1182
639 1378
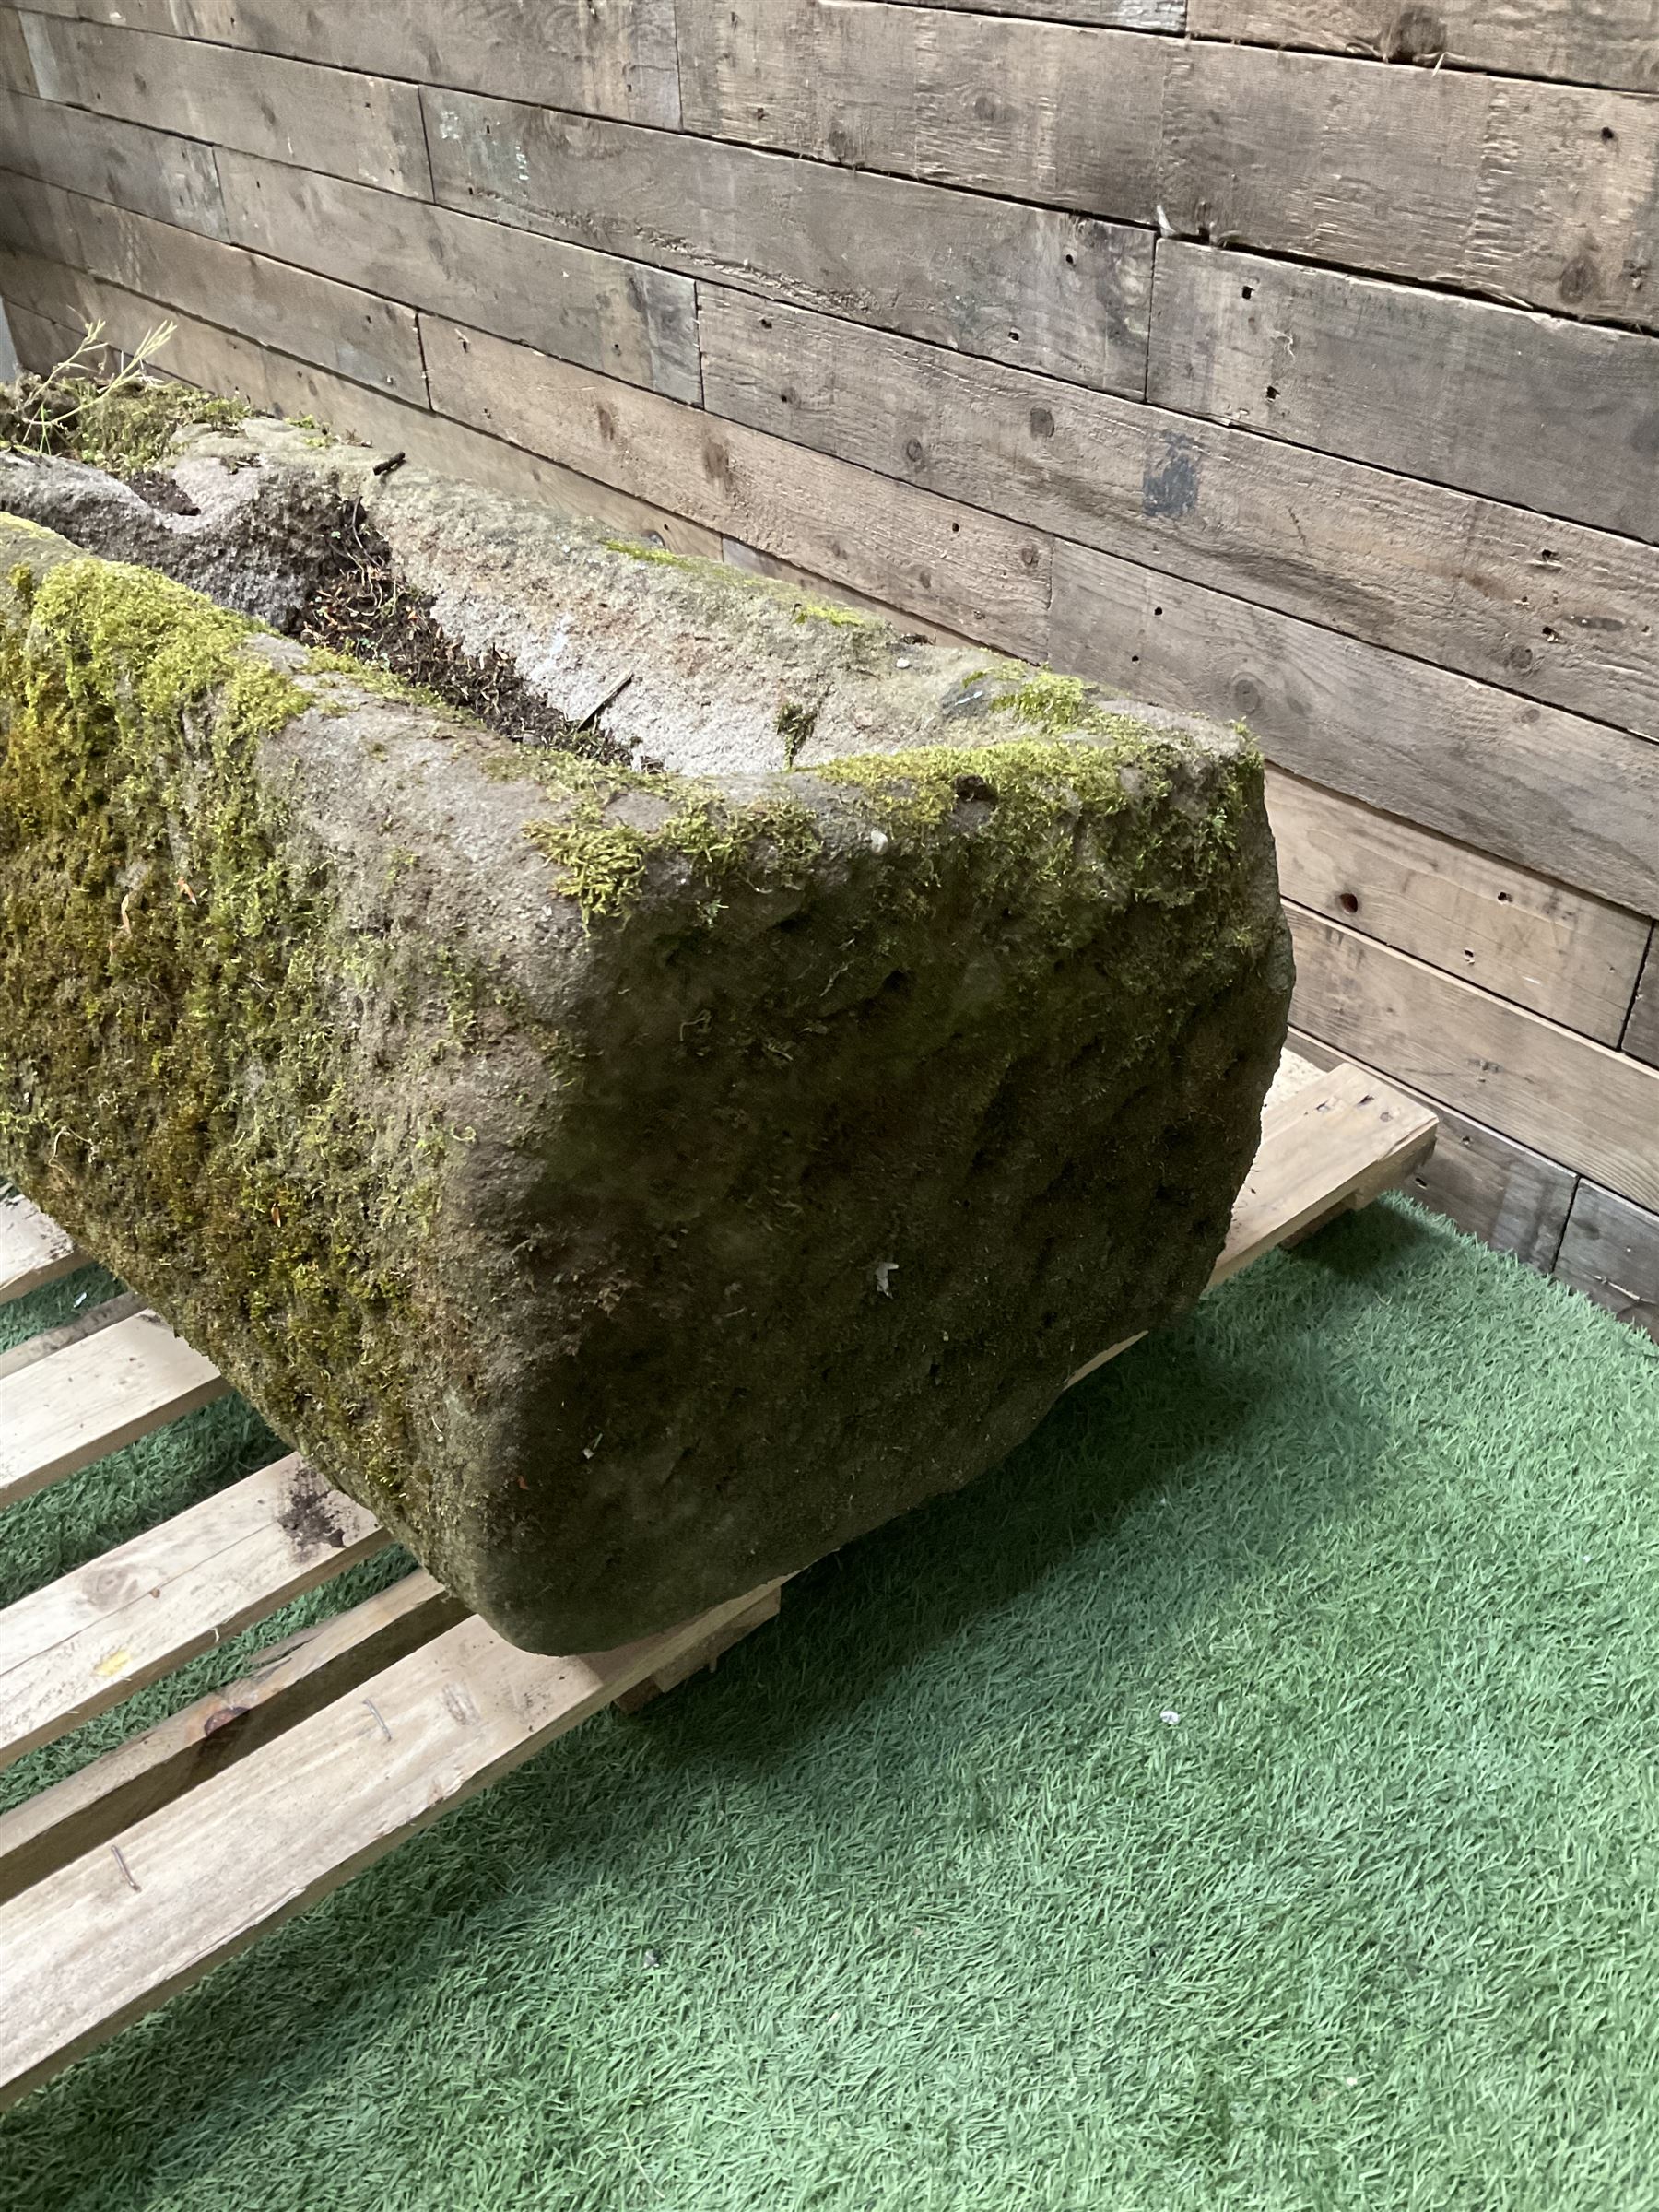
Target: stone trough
634 1164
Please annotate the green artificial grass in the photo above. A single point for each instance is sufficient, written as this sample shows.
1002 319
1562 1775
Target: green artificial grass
926 1900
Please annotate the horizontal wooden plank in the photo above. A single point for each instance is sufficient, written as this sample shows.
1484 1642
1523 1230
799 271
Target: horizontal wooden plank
202 354
292 1680
1558 951
339 327
61 1414
33 1250
1558 612
1045 289
1511 1198
820 588
1561 795
1046 112
623 317
1534 193
1642 1036
1577 42
116 1932
970 570
330 119
87 1642
86 1319
596 60
1611 1253
1557 417
1575 1101
153 172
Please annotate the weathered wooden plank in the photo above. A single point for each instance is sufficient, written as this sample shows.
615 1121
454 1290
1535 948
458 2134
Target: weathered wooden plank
1510 1199
1576 41
1110 15
970 570
1564 796
89 1320
600 58
623 317
16 73
1046 112
1548 1089
819 589
1035 285
1548 414
1558 611
202 354
153 172
33 1250
1611 1253
1536 192
1641 1037
1565 955
115 1933
292 1680
39 342
372 341
362 126
61 1414
91 1638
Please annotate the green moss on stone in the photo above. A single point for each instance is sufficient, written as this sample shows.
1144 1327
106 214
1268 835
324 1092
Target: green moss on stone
190 999
125 427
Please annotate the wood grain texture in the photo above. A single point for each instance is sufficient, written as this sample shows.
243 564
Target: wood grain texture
1035 285
17 70
86 1319
605 57
336 325
1559 952
63 1413
1563 796
1611 1253
1510 1199
1642 1035
117 1931
971 571
1577 1102
1575 42
290 1681
33 1250
330 119
1110 15
1045 112
1557 612
1544 414
1542 193
86 1641
153 172
623 317
275 383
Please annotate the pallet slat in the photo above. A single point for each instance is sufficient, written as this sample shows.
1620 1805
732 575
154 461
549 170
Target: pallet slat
64 1412
110 1935
33 1250
88 1640
292 1680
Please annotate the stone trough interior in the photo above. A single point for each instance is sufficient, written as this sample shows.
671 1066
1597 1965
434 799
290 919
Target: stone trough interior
638 1074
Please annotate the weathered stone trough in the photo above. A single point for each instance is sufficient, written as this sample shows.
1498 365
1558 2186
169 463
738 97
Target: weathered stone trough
631 1176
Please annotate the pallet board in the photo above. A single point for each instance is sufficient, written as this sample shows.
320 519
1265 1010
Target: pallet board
137 1874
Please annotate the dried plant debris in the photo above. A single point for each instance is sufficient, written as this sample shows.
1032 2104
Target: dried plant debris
360 606
122 420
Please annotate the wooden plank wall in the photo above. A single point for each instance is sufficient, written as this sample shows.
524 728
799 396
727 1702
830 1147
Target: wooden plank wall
1295 362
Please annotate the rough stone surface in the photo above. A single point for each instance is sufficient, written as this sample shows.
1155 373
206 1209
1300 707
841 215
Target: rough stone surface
632 1186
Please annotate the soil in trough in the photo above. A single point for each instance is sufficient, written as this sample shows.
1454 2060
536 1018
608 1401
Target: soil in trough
361 606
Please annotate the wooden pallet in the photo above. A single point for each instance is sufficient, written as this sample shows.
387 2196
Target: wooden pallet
131 1879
